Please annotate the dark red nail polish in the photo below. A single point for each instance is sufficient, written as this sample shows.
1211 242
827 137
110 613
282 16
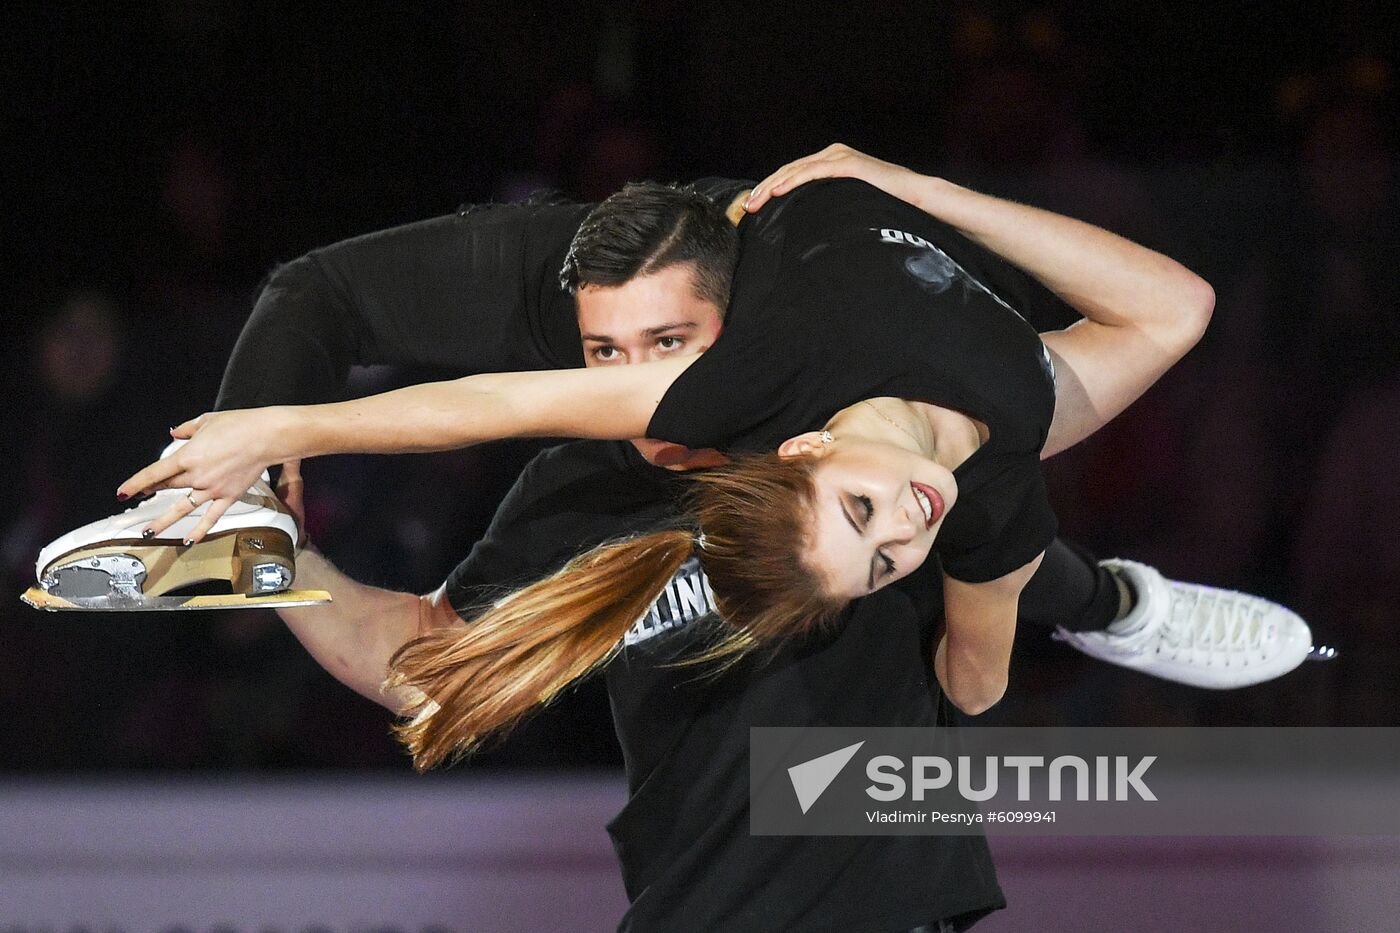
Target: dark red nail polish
188 542
148 534
122 497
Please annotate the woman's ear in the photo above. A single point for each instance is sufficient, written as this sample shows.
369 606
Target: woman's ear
810 444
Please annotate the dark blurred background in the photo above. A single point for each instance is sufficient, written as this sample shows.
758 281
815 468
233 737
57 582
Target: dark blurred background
162 160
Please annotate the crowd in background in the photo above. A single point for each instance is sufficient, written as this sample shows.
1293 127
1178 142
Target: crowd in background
168 161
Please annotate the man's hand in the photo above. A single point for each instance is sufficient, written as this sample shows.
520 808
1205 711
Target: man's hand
292 491
838 161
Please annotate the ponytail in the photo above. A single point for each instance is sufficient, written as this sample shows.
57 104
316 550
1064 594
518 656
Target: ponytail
519 654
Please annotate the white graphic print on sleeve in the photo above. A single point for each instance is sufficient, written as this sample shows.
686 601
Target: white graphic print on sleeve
937 271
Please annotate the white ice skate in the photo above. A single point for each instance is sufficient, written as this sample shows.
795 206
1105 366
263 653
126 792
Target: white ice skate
1198 635
107 565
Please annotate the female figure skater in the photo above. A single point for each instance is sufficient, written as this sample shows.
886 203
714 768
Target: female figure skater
907 402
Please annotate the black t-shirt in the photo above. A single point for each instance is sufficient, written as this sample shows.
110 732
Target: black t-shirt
844 293
688 860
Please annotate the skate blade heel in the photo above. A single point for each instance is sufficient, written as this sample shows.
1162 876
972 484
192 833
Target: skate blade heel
256 561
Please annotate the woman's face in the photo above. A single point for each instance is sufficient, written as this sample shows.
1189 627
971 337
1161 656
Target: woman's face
878 508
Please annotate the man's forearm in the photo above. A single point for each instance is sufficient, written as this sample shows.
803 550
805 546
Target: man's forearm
353 636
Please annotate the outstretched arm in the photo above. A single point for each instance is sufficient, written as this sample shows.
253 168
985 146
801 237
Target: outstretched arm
1142 310
228 450
354 636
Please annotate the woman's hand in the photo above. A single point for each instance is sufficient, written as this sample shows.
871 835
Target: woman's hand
226 453
838 161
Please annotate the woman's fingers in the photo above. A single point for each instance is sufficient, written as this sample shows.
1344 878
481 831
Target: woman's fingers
764 189
178 510
181 508
216 509
776 183
189 428
156 476
835 160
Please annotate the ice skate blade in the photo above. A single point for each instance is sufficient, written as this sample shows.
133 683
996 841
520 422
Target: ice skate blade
255 561
40 599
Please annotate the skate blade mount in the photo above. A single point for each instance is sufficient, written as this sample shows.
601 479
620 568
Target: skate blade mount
126 576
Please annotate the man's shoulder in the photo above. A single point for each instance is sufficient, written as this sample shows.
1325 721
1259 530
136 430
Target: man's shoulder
546 213
834 198
525 220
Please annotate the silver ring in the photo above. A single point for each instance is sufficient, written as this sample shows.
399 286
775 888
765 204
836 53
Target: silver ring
189 494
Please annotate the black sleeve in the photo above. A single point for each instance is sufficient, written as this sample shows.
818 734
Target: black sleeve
738 394
1042 308
1002 526
728 397
298 345
466 293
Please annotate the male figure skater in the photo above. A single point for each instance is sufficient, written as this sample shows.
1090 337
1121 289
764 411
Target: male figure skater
687 857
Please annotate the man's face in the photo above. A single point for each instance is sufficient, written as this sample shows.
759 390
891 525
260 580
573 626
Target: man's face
652 317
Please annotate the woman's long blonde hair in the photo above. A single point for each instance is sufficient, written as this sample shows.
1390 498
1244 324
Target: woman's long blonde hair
518 655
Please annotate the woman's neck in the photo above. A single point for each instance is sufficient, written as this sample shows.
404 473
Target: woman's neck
946 436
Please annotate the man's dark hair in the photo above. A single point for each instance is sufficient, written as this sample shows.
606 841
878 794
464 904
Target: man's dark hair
647 227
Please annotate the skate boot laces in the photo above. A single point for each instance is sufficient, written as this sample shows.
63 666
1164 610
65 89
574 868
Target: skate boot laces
1221 624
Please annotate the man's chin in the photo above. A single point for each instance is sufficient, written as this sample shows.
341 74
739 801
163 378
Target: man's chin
676 457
